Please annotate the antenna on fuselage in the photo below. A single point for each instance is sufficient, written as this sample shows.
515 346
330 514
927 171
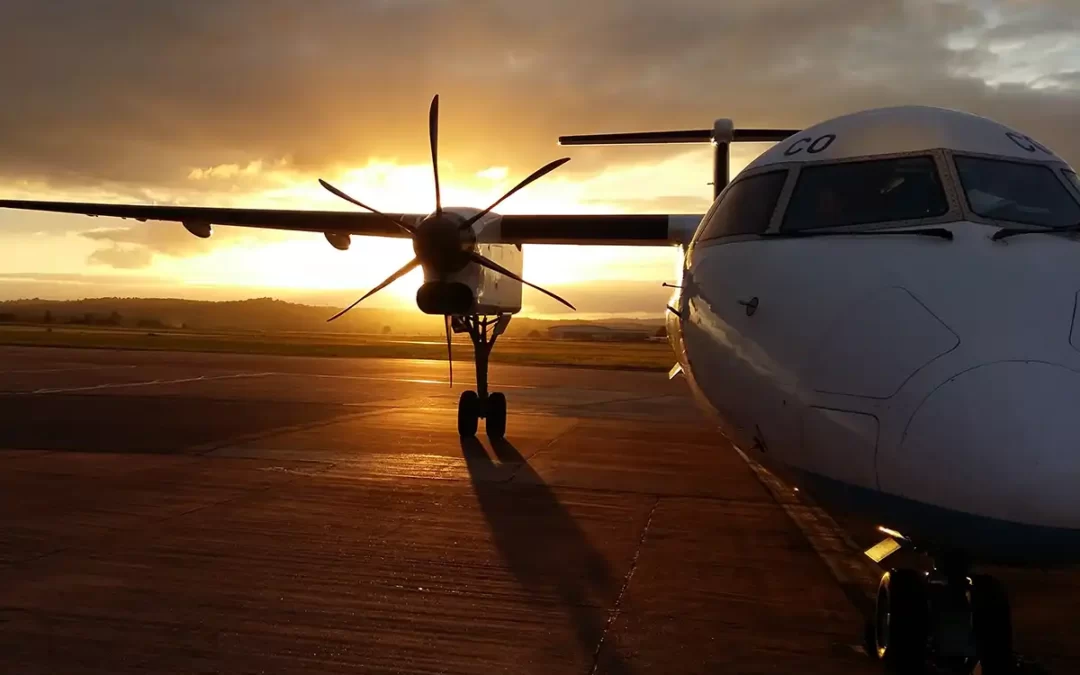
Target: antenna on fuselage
722 135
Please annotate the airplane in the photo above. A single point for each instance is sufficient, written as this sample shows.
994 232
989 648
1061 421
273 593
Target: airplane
882 308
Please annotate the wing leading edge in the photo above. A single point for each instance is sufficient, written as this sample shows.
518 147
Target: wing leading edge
333 222
609 230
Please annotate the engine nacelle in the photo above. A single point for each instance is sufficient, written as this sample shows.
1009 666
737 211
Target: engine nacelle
200 230
441 297
339 241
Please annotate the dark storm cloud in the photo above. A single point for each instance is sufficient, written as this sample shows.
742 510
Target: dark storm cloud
129 92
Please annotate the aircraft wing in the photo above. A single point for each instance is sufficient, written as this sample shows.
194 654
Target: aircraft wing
611 230
605 230
327 222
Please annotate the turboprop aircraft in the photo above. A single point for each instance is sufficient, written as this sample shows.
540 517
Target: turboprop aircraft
882 307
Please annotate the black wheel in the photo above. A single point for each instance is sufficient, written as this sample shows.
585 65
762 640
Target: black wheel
496 416
468 413
901 621
991 618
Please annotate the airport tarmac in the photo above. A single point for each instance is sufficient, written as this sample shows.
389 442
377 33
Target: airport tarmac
185 513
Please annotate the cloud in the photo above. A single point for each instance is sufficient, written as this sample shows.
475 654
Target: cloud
122 258
227 171
168 238
130 93
135 246
664 204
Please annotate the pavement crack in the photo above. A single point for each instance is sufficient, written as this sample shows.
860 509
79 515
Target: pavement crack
207 448
617 608
609 401
543 448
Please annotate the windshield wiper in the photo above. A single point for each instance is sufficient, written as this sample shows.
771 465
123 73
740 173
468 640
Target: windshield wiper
1013 231
939 232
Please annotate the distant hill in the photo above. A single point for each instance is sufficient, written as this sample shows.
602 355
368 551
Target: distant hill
260 314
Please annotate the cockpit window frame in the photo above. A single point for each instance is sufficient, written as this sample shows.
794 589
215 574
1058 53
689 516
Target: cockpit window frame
945 175
1074 182
1057 168
946 171
785 189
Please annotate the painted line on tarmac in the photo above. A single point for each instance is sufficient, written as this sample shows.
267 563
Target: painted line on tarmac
409 380
150 383
243 439
62 370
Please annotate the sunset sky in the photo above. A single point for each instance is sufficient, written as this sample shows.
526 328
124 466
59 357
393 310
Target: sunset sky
248 103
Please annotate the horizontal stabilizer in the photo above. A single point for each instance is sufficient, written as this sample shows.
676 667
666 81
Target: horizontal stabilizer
680 136
721 136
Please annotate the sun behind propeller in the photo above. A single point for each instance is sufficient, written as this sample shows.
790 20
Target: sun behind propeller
444 243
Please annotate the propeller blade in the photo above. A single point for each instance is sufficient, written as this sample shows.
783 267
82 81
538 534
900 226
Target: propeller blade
408 228
484 262
433 133
542 171
409 267
449 352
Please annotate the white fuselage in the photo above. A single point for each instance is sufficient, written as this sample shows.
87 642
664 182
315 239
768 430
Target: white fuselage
945 373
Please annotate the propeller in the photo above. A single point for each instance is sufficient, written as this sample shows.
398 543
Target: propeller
542 171
409 267
449 351
444 243
408 228
492 265
433 137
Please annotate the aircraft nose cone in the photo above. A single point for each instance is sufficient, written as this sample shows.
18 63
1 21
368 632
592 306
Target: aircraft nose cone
1001 440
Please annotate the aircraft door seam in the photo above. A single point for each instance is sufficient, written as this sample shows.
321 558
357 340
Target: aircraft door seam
900 387
1072 324
954 376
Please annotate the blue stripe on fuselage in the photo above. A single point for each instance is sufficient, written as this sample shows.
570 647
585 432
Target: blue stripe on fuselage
934 528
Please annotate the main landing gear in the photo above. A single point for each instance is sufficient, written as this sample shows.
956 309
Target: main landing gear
474 405
947 617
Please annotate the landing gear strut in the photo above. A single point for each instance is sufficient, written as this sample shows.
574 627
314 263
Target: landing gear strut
945 616
474 405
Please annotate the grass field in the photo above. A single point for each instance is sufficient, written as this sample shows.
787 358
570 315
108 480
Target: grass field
625 355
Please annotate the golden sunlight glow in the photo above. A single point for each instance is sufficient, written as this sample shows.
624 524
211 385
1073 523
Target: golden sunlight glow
305 261
237 258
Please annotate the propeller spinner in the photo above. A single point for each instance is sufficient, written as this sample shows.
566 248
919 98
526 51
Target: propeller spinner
443 242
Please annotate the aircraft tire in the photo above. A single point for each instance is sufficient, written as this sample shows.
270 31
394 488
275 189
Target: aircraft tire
468 414
496 416
992 622
901 621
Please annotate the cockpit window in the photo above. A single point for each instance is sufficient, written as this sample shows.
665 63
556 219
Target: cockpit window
1071 175
1016 192
865 192
746 207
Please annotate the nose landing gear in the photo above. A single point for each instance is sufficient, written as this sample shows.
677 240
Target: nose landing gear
474 405
945 617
